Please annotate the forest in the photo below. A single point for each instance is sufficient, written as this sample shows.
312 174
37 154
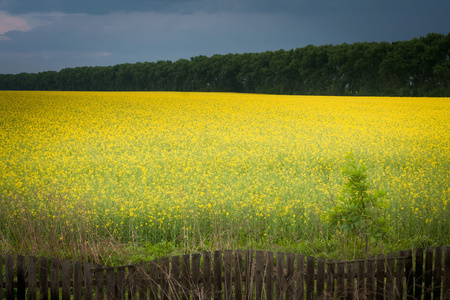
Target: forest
418 67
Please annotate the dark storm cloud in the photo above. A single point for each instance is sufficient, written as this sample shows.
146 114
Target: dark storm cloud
53 34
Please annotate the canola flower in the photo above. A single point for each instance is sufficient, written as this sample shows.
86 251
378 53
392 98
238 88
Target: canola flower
169 166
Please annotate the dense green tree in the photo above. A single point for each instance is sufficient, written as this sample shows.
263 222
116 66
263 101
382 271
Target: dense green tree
418 67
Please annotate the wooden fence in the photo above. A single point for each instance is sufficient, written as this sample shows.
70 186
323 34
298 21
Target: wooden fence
422 274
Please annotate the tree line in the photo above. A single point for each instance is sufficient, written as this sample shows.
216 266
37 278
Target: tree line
418 67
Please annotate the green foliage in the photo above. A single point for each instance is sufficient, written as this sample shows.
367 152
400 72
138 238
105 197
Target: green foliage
419 67
359 217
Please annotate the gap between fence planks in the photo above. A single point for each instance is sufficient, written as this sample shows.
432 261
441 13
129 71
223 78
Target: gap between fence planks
233 275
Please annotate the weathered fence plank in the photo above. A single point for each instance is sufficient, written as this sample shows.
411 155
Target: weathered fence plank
54 278
175 278
207 283
300 288
9 276
418 274
217 275
32 278
390 276
228 274
446 283
320 277
196 276
269 276
248 278
380 277
280 276
310 277
21 287
409 274
290 282
259 276
437 273
428 273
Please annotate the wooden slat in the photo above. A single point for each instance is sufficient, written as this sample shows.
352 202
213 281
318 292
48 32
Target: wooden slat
340 280
370 282
186 276
175 278
309 278
418 274
43 278
437 279
280 276
330 280
99 283
446 283
399 274
269 276
66 278
259 276
290 281
54 278
238 275
228 256
164 277
133 282
197 291
120 292
350 280
380 277
88 284
218 275
9 276
148 279
321 277
361 280
21 287
110 283
248 275
409 274
390 275
207 283
428 273
32 278
77 280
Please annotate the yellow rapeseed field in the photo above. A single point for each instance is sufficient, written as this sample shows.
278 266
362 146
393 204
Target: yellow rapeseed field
147 167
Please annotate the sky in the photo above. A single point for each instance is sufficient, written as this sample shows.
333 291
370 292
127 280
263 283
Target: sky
44 35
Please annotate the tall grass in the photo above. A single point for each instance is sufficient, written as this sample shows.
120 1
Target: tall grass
113 176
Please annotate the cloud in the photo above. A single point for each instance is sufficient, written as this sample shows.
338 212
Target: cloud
11 23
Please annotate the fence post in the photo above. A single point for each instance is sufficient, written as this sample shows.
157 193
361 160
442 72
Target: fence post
269 275
175 278
21 287
446 284
428 273
238 275
228 274
217 275
32 279
207 275
437 273
196 288
54 278
280 275
259 276
9 276
418 274
380 277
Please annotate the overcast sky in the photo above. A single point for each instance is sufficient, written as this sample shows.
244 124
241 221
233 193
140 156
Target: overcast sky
41 35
